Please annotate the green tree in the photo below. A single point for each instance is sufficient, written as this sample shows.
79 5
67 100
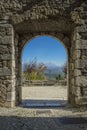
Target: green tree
59 77
65 70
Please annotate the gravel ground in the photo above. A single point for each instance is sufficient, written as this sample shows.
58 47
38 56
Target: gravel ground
45 118
44 92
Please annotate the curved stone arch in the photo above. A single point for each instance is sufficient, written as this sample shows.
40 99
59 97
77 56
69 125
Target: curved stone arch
64 40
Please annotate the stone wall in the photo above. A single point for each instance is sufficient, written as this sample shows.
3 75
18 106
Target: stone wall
18 70
7 65
78 66
80 71
22 20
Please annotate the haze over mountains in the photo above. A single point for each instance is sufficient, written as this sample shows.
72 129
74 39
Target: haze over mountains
52 65
53 70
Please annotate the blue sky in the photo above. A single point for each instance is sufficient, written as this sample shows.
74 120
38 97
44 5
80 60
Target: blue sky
45 49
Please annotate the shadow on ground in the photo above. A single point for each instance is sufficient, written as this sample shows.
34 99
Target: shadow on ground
42 123
31 103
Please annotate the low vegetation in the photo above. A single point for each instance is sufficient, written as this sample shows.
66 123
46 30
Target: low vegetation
34 71
39 71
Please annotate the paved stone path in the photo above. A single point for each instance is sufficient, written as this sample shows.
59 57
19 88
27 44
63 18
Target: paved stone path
50 118
43 119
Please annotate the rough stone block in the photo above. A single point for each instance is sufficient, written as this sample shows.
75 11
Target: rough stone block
81 81
84 52
11 96
81 29
78 91
81 44
6 40
9 104
77 54
77 72
3 49
5 71
72 81
76 36
80 64
83 35
6 57
85 91
10 87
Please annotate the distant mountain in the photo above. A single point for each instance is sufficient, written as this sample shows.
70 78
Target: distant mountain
53 70
51 65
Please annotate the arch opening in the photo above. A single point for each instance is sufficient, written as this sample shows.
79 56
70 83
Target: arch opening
38 84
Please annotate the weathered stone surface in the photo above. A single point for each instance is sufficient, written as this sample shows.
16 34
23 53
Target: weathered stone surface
5 71
81 44
77 72
81 29
22 20
81 64
5 57
11 96
81 81
6 40
77 54
9 104
6 62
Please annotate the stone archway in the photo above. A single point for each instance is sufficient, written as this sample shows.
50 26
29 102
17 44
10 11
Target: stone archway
20 21
53 35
